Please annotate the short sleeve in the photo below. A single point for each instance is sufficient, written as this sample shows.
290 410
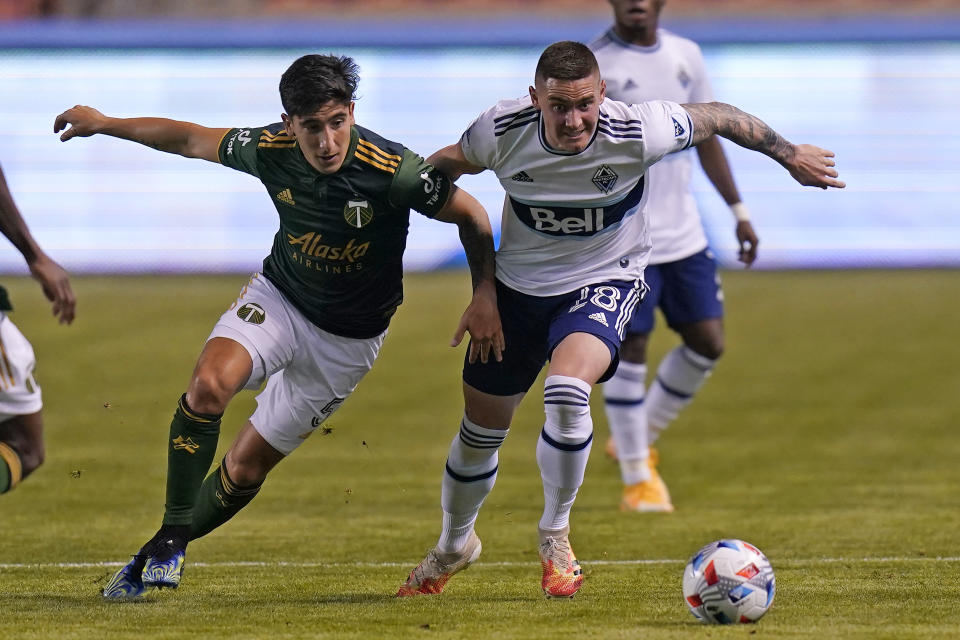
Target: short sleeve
419 186
667 128
478 142
238 150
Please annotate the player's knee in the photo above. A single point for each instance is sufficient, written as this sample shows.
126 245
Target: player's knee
634 349
245 473
207 393
567 408
711 347
32 458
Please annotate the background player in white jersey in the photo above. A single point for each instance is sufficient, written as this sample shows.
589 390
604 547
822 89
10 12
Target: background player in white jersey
21 419
569 269
640 62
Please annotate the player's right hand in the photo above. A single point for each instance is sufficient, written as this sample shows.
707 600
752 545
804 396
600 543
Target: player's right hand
85 121
56 287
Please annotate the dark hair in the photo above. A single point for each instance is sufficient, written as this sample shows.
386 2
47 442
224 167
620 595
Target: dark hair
314 80
566 60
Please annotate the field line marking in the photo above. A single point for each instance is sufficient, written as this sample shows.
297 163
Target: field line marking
334 565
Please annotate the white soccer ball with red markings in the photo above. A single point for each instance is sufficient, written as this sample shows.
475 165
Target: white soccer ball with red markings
729 581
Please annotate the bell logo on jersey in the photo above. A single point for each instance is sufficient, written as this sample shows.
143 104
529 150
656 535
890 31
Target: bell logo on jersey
546 220
605 178
358 213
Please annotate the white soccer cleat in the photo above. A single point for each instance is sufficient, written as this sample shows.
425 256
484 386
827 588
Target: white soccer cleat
430 576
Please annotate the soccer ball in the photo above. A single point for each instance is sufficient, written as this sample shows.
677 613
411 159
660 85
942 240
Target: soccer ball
728 581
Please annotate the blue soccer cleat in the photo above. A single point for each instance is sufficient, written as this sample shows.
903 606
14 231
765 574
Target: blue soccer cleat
127 583
165 565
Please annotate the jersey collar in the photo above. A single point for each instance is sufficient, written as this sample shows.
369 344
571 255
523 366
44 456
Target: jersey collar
612 34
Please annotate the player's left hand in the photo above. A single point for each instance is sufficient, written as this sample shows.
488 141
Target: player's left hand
482 320
748 240
812 166
56 287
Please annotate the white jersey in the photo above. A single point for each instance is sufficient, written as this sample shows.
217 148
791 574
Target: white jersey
672 69
572 219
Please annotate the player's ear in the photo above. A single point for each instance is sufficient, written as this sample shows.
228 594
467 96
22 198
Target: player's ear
533 96
603 89
287 124
352 119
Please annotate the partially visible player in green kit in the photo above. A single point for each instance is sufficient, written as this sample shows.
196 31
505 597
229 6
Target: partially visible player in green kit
311 323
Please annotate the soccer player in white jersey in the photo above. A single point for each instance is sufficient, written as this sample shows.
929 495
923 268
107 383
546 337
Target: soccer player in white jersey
641 62
574 243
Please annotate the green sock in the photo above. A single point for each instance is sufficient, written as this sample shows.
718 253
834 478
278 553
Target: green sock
218 501
193 444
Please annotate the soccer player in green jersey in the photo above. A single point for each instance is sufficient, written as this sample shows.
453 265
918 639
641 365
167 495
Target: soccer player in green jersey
21 419
311 323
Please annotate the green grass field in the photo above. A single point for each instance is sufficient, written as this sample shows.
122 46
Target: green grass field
827 437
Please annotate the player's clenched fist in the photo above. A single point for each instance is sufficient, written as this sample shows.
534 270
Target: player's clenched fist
85 121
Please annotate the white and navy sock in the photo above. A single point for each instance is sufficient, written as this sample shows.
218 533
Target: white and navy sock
470 474
679 376
563 447
627 416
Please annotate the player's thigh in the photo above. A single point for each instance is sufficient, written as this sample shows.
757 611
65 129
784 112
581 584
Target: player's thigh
692 290
601 310
19 392
301 396
525 321
264 323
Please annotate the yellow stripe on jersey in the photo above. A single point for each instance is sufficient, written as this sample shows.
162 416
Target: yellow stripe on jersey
373 161
278 145
222 138
267 134
13 463
6 371
374 150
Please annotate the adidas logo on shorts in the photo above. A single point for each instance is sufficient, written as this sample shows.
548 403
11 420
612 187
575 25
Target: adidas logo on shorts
599 317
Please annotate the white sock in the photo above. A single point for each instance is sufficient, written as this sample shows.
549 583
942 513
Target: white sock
470 474
563 447
679 376
627 416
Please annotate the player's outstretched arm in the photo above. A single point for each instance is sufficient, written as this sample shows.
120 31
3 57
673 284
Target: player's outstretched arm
715 165
451 161
173 136
52 277
481 318
809 165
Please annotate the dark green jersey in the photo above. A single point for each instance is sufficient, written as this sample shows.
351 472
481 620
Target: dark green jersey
338 254
5 301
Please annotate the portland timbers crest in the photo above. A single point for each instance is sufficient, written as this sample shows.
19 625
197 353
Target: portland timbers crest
358 213
605 178
252 313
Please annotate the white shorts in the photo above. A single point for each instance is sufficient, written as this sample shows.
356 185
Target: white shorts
19 392
309 371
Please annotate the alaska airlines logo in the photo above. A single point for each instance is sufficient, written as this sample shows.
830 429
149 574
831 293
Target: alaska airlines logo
252 313
358 213
311 244
187 444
